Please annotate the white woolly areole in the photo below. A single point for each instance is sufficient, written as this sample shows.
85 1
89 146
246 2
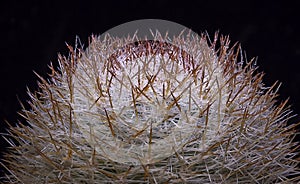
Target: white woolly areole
153 104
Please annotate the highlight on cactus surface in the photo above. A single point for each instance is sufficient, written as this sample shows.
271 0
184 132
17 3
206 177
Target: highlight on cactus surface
158 108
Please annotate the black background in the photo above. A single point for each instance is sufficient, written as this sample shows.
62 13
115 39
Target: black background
32 33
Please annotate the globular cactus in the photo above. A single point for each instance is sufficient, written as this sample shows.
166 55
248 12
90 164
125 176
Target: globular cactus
128 110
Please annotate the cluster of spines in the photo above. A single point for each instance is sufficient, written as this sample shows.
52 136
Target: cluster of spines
256 146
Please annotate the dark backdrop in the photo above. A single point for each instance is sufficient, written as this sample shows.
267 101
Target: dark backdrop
32 33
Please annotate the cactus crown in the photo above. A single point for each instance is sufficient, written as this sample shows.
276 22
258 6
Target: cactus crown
153 111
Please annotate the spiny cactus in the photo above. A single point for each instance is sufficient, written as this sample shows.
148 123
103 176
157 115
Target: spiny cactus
127 110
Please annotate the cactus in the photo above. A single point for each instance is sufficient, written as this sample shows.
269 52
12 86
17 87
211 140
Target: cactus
127 110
